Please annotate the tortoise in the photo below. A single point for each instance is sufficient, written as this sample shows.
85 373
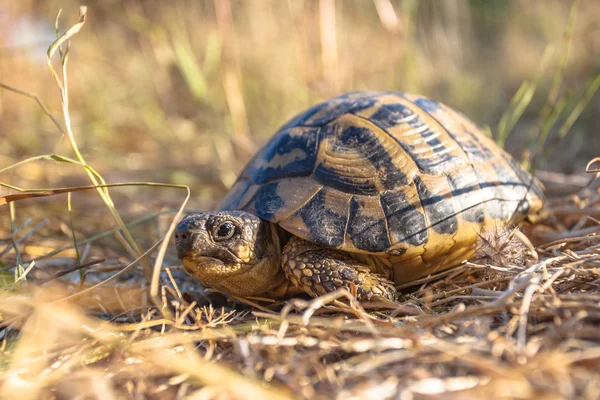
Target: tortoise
365 191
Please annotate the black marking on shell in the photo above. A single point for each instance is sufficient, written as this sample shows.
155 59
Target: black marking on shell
331 177
439 159
365 141
486 153
390 115
261 168
435 144
346 184
344 104
325 226
465 192
404 220
428 105
469 147
466 140
499 193
371 148
366 232
439 209
266 201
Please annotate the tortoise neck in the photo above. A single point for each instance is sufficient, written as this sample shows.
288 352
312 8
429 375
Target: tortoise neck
283 236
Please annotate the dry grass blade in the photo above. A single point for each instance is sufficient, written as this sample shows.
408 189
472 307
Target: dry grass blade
589 168
95 178
56 45
37 99
31 193
69 270
163 249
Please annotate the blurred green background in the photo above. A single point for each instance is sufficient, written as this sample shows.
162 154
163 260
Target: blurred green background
185 91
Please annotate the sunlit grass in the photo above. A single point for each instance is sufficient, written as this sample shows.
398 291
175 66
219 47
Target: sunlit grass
190 91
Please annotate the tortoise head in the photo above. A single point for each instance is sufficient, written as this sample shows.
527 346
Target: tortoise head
232 251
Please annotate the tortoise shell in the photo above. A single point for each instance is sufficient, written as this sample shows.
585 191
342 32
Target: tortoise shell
392 174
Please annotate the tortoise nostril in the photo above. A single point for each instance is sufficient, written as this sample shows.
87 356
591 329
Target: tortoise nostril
182 236
183 242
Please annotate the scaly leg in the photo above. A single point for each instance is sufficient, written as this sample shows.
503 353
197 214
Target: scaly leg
318 270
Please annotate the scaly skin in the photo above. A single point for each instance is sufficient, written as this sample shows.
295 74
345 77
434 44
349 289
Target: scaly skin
240 254
318 270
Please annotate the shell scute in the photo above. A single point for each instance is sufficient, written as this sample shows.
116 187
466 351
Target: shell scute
291 152
436 197
322 219
466 193
405 216
354 158
367 224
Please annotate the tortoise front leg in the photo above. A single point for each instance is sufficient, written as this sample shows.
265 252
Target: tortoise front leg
318 270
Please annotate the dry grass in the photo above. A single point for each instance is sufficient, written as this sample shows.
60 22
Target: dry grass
176 91
84 313
503 331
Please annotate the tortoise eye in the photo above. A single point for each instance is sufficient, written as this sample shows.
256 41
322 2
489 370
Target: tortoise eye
224 231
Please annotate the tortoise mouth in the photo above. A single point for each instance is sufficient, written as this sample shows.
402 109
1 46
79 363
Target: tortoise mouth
203 267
